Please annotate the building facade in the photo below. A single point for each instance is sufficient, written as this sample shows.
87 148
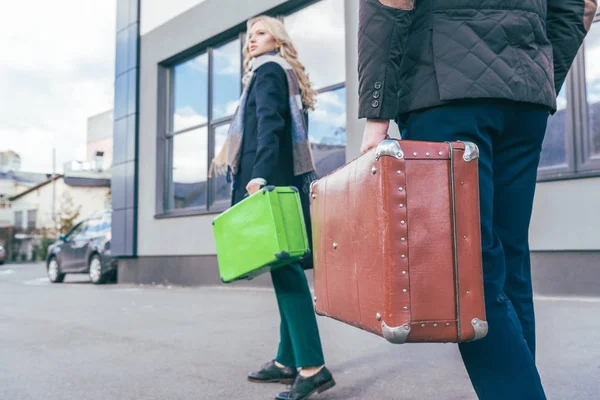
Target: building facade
178 80
100 140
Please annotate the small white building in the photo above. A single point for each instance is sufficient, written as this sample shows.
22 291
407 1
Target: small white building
37 210
12 183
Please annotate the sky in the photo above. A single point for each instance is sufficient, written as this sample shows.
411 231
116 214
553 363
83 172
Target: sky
56 70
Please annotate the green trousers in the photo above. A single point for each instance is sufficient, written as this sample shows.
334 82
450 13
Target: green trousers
300 344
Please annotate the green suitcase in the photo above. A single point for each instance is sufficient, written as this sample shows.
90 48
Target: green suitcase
264 231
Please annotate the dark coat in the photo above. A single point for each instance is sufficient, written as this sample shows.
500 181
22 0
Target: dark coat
267 142
434 52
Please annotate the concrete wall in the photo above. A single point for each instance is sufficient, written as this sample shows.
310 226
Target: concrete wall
156 12
566 215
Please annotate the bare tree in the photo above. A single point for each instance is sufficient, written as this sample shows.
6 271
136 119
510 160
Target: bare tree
68 213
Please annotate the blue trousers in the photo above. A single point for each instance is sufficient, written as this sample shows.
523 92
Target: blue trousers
509 136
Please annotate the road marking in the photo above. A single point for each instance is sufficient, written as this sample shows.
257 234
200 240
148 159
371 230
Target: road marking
7 272
37 282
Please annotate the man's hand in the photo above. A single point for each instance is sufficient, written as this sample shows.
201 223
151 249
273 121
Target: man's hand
375 132
252 188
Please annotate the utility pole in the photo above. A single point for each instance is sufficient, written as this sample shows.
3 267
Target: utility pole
54 186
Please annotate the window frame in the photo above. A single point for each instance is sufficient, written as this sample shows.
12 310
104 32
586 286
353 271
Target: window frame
587 161
165 111
580 162
166 133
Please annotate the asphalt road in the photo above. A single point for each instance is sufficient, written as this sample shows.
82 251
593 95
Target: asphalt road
79 341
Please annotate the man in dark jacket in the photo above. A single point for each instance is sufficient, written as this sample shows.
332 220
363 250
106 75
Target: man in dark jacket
486 71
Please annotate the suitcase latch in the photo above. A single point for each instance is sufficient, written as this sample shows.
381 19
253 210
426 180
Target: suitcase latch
389 147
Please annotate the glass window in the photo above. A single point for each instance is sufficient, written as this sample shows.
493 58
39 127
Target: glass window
189 159
31 219
554 148
227 67
199 120
190 94
318 34
97 227
76 230
92 227
327 131
592 80
223 188
189 142
18 219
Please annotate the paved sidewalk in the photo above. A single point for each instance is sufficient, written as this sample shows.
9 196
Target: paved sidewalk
80 341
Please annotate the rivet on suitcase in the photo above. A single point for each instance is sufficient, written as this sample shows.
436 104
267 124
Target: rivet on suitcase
264 231
396 243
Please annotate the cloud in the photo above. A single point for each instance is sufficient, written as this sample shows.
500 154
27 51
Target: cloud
331 99
318 34
199 63
189 158
330 110
232 106
187 117
222 110
56 70
227 59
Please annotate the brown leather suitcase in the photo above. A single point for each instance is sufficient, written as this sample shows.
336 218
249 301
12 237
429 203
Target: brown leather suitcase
396 243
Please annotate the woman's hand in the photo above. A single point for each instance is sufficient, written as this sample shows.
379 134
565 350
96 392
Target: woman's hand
252 188
375 132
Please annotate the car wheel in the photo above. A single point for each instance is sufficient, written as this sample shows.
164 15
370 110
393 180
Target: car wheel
54 273
95 268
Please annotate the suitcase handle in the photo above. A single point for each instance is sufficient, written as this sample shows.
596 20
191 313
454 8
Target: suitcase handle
263 189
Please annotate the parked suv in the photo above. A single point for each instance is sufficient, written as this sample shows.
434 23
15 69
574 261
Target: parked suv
85 249
2 255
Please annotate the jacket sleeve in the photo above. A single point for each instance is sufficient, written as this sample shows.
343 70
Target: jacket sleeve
383 28
567 24
271 105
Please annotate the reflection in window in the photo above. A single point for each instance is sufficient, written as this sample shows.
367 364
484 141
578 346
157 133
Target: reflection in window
190 94
97 227
223 190
554 148
327 131
318 34
592 78
227 67
188 186
77 230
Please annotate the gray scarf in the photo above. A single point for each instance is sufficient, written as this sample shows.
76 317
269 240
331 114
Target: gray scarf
228 159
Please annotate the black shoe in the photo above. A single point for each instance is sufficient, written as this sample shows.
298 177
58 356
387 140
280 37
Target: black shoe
303 387
270 373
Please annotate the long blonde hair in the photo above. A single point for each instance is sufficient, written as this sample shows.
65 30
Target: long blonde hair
288 52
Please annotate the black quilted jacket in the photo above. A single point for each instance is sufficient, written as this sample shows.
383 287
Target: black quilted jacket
424 53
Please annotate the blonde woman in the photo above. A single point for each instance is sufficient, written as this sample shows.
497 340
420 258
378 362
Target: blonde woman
267 144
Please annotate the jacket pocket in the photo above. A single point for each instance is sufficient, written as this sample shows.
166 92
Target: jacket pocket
475 54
